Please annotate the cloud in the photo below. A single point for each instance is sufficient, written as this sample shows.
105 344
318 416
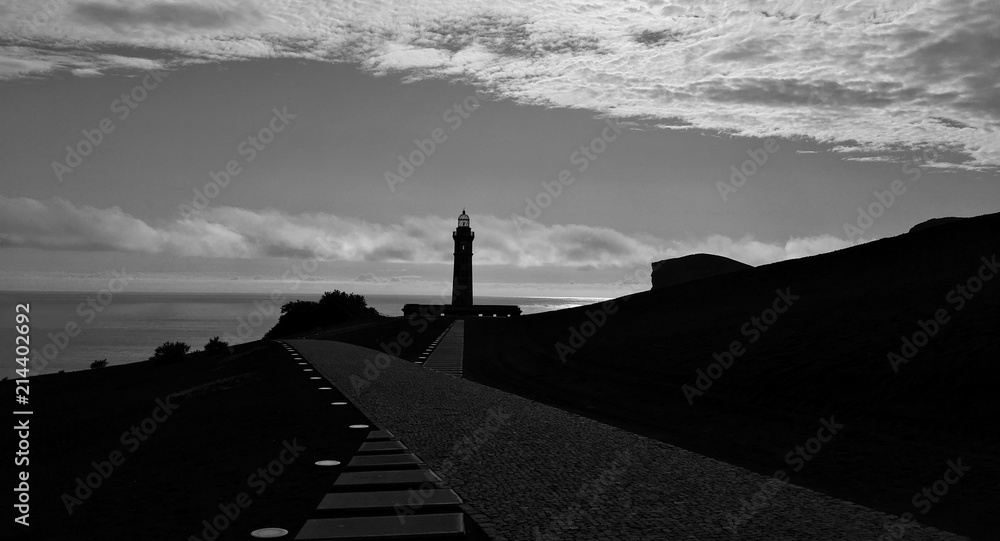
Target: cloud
878 72
229 232
59 225
13 67
376 279
79 63
175 16
653 38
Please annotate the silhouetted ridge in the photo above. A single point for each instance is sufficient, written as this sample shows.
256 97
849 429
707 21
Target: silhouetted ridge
692 267
895 338
934 222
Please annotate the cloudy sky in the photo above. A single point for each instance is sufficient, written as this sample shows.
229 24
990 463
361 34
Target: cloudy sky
355 133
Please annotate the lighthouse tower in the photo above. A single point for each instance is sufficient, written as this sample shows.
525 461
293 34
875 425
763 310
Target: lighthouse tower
461 306
461 284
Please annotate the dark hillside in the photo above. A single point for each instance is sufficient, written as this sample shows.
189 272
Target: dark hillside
827 354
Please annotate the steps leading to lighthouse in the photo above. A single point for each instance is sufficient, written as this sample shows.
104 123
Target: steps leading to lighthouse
447 356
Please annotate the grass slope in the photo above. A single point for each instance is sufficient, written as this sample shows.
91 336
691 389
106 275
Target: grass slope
827 355
231 419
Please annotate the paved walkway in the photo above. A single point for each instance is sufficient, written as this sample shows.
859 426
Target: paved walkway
446 357
530 471
383 491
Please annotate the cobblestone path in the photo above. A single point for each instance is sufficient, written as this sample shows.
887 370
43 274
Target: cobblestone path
531 471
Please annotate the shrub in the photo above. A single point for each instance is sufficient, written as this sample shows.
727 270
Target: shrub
333 308
98 364
170 352
216 346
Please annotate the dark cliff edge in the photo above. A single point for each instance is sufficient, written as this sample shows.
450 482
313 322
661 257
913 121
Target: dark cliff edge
692 267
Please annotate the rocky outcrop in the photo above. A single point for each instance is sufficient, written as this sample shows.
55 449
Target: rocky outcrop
692 267
933 222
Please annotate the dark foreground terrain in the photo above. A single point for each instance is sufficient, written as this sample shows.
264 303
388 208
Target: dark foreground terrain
228 418
825 357
821 362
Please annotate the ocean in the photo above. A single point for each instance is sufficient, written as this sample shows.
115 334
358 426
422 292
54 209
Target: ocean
69 330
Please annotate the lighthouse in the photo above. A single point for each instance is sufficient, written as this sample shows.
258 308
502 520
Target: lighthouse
461 284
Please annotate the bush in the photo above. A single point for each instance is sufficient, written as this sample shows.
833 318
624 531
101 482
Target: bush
170 352
333 308
216 346
98 364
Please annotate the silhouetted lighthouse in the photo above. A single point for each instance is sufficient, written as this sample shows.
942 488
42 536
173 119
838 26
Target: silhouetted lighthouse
461 284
